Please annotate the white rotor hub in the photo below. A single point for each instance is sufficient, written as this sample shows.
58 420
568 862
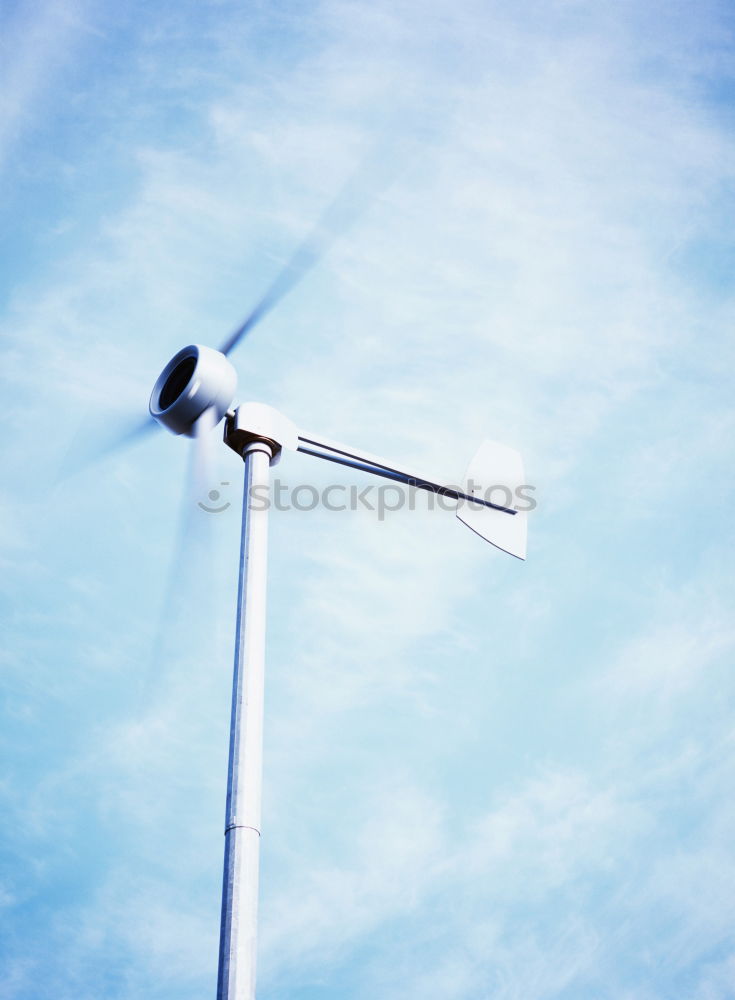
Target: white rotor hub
196 379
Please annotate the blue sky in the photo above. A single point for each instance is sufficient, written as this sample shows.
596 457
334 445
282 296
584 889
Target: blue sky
483 778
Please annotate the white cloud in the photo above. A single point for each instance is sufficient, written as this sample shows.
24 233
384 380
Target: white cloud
36 45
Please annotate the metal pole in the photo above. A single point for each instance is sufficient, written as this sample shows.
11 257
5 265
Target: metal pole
238 928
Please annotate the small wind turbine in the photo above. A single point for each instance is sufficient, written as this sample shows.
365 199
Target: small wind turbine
193 393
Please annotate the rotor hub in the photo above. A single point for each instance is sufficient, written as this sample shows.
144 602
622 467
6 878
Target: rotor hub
196 379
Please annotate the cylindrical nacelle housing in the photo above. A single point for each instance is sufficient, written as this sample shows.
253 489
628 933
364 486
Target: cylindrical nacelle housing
196 379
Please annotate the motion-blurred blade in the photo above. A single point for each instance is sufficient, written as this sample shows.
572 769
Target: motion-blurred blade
189 578
93 444
201 472
371 177
192 543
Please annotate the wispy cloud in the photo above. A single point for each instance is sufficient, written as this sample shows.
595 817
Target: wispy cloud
36 45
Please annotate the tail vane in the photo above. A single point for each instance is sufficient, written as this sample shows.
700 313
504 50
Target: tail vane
496 474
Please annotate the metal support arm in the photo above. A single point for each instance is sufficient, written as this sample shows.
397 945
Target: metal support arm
332 452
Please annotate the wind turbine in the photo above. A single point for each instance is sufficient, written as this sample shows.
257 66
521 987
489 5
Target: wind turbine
195 392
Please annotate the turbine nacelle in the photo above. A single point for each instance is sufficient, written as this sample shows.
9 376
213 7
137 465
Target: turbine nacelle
195 380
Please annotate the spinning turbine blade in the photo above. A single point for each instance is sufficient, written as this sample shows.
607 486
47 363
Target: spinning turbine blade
134 433
188 578
201 469
91 446
192 542
353 200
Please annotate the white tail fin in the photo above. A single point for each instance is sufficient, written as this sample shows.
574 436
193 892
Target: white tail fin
495 474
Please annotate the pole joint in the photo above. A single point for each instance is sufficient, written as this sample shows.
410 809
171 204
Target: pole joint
241 826
260 444
256 423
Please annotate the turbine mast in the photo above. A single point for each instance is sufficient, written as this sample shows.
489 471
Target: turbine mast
238 927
